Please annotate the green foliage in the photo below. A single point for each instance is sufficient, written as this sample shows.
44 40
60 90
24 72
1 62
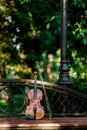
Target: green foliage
79 3
78 43
30 31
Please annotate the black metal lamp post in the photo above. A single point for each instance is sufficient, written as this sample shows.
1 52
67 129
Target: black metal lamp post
64 78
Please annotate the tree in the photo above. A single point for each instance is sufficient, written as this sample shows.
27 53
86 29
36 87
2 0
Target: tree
78 43
29 27
30 31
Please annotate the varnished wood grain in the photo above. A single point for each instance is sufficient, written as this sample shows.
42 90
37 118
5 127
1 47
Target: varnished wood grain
54 123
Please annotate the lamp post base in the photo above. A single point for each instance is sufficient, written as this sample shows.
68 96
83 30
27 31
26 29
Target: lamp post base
64 81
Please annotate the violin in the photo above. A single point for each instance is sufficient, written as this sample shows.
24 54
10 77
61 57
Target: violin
35 110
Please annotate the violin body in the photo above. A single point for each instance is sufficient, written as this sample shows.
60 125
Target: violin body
35 110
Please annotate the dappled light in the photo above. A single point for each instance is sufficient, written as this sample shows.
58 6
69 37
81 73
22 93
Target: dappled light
26 37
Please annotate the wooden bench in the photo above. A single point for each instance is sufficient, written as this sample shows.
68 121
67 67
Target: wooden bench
54 123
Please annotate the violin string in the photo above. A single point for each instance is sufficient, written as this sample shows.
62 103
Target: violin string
44 90
35 86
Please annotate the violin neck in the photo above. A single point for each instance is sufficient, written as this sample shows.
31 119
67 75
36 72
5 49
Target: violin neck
35 87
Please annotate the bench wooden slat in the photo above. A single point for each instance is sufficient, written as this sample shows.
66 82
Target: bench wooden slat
54 123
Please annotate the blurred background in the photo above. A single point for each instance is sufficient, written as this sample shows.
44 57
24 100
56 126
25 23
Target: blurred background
30 32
